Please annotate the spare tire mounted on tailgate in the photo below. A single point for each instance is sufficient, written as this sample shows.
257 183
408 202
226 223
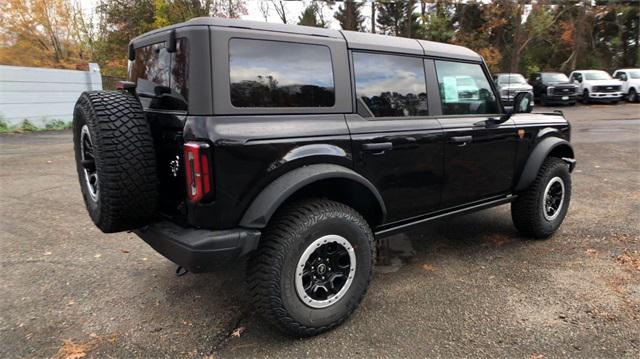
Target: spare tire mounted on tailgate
115 159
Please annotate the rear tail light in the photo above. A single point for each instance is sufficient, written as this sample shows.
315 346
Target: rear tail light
197 167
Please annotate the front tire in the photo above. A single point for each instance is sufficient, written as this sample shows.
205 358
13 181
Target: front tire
585 97
539 211
632 96
312 267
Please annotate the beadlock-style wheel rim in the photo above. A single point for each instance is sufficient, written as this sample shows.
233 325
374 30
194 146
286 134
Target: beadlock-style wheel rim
553 198
325 271
88 163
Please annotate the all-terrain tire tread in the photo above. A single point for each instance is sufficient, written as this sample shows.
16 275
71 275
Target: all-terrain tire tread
264 273
524 210
125 159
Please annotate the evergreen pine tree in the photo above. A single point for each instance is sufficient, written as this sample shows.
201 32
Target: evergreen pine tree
349 16
398 18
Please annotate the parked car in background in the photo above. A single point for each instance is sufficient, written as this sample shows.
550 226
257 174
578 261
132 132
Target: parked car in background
509 85
630 79
552 88
597 85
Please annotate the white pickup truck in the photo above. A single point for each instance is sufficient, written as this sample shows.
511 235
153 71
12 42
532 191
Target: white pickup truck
596 85
630 79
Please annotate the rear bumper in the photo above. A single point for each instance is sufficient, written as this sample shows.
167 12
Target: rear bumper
199 250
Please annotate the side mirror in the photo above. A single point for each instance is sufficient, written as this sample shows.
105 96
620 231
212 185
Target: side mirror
523 103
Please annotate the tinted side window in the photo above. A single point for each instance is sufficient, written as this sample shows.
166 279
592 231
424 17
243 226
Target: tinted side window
161 77
152 65
390 85
464 89
179 68
280 74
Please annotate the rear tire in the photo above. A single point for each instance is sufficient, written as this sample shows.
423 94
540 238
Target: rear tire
539 211
288 290
115 160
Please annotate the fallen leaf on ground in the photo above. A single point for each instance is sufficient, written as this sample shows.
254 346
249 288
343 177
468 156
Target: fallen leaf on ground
592 252
498 240
236 333
428 267
629 259
124 251
71 350
536 356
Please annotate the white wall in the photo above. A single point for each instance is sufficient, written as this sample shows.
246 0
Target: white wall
43 95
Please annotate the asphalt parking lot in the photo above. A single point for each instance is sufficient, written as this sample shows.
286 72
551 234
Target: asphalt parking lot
469 286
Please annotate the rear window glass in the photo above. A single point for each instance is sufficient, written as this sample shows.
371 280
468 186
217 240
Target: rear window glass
280 74
389 85
161 77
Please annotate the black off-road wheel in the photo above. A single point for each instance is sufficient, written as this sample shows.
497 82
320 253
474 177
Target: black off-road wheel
312 267
115 160
539 211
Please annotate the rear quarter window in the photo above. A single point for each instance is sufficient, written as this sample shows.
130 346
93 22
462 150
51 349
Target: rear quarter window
161 77
265 73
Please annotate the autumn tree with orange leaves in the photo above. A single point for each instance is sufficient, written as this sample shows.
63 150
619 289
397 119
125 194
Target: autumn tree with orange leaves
45 33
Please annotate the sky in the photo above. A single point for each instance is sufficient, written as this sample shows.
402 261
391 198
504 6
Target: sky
294 10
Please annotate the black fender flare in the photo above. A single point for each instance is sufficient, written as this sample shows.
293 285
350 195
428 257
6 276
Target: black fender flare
274 194
537 157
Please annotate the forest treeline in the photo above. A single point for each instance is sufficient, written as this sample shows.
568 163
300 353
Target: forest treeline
512 35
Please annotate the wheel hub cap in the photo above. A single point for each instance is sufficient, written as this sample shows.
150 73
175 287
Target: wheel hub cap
553 198
87 160
325 271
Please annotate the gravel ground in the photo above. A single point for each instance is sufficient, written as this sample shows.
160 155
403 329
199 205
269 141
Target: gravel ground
469 286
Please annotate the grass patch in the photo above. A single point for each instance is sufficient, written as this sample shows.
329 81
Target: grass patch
57 125
28 126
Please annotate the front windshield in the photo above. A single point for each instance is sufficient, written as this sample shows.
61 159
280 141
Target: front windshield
634 74
597 75
555 77
513 79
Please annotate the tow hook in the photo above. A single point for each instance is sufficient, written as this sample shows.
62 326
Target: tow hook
180 271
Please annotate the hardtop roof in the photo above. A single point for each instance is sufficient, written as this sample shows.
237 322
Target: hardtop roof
354 39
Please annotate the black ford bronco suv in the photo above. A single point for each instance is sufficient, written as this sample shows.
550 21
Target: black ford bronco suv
298 147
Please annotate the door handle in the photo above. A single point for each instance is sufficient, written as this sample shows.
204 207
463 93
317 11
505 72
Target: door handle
461 140
377 147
